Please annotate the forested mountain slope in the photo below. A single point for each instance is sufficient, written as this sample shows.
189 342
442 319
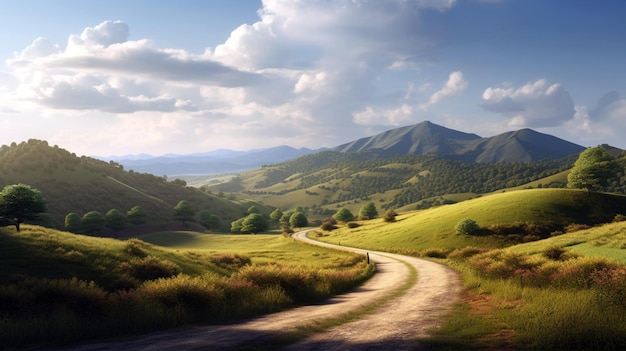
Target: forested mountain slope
82 184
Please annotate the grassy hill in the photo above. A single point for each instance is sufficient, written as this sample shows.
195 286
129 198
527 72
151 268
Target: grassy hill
58 288
81 184
513 216
328 180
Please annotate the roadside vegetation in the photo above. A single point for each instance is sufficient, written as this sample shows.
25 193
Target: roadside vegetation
58 288
545 269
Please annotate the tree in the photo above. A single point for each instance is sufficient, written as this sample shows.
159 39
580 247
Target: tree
92 222
253 209
19 203
136 216
209 221
592 170
72 222
254 223
368 211
298 220
115 220
235 226
344 215
467 227
276 215
184 212
284 219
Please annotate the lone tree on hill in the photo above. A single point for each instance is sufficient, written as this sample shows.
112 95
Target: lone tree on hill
592 170
368 211
184 212
19 203
344 215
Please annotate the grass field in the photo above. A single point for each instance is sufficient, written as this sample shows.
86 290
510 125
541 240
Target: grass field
567 291
58 288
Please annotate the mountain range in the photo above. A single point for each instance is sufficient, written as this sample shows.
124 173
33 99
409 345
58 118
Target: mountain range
523 145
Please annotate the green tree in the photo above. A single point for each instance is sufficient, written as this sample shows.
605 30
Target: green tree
235 226
284 219
136 216
368 211
209 221
184 212
298 220
344 215
253 209
92 222
72 222
593 169
276 215
254 223
20 203
115 220
467 227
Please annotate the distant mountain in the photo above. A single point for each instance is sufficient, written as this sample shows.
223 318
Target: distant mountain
214 162
425 138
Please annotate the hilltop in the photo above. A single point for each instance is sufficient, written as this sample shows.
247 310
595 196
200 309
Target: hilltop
81 184
524 145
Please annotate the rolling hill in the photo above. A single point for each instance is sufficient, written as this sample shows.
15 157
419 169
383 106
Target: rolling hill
81 184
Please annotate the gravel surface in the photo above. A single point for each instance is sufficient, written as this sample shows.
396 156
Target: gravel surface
393 326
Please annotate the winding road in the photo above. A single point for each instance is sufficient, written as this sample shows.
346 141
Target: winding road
402 309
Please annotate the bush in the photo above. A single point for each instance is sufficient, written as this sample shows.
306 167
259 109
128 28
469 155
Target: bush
390 216
352 225
467 227
149 268
619 218
434 253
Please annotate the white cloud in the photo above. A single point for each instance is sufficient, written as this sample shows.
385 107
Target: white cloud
536 104
453 86
394 117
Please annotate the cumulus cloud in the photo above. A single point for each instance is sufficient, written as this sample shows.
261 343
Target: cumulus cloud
316 69
453 86
536 104
610 106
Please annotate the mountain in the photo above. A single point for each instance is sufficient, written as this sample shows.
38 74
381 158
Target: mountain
214 162
424 138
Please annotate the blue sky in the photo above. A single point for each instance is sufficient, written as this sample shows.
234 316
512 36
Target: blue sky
158 77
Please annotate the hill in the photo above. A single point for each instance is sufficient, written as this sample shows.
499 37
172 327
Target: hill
81 184
502 217
325 181
215 162
524 145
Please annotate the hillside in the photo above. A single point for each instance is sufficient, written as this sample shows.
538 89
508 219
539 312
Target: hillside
548 210
81 184
328 180
524 145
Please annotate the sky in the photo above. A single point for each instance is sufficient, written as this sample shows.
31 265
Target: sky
122 77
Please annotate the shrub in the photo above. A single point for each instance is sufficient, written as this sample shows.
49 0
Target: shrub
149 268
555 253
467 252
329 224
390 216
467 227
574 227
434 253
619 218
230 260
352 225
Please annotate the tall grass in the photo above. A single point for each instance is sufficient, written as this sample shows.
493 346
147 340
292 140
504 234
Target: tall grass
148 287
544 303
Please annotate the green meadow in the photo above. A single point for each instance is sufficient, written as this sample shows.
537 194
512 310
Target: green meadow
58 288
547 270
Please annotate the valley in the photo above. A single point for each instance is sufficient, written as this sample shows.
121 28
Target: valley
544 246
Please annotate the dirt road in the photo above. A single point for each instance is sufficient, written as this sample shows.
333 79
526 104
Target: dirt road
394 325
